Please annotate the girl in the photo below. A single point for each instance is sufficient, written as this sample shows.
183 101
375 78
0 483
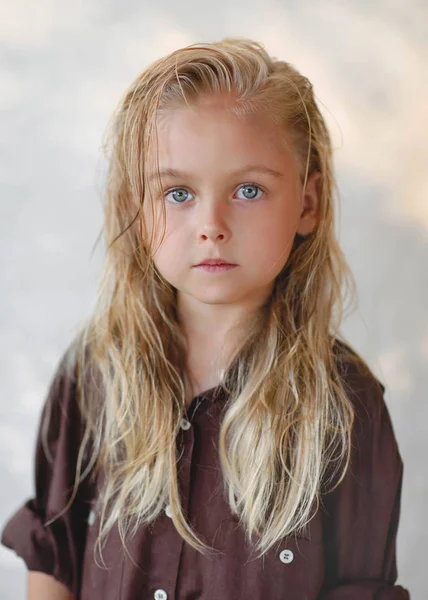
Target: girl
208 434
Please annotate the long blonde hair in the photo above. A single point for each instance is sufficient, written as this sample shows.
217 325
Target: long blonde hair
285 434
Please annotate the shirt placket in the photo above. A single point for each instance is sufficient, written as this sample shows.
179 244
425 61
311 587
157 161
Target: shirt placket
185 442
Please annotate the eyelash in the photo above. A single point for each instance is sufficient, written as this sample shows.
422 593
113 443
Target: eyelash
249 184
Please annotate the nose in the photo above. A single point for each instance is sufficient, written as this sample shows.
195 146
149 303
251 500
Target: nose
212 222
212 234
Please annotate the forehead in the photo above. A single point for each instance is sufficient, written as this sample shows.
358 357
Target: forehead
209 133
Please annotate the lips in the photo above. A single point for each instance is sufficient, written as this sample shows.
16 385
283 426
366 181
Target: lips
214 261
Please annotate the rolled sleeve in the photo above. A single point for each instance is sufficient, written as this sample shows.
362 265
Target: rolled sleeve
30 539
56 547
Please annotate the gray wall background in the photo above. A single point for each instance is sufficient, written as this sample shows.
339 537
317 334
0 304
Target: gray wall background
64 67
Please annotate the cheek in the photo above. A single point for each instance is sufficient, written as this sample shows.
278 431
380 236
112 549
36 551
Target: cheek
172 250
272 249
271 237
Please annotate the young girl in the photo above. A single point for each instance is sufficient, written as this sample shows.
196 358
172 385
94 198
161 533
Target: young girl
208 434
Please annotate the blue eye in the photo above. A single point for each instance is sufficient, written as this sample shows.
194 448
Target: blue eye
179 196
251 189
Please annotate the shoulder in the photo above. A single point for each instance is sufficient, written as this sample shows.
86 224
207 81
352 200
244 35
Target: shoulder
61 401
73 370
373 441
62 422
364 390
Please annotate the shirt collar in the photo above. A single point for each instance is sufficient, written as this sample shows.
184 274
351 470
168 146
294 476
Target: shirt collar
213 394
217 392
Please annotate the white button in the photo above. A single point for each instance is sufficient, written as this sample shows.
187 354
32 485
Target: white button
168 510
91 517
160 595
184 424
286 556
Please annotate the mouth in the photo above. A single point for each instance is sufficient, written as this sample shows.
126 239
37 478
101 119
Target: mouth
215 263
216 268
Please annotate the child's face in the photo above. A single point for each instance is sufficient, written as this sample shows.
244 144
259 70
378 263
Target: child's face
223 208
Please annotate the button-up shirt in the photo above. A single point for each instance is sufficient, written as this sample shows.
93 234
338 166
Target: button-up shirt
348 552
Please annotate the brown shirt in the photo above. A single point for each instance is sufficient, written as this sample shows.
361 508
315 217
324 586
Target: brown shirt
348 554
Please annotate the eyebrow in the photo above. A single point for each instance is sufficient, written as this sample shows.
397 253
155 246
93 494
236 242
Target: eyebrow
167 172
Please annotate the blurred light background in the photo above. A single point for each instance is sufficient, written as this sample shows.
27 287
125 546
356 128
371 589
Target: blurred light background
64 66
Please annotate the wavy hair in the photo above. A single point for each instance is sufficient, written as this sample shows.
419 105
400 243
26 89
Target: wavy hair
285 433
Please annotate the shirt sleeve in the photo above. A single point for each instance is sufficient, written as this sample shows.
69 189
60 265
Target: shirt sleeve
361 516
56 548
